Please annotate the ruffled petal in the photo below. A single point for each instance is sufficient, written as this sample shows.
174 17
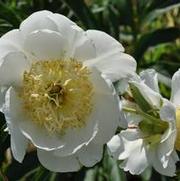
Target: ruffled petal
103 42
37 21
79 46
115 146
133 149
106 109
45 45
168 111
110 60
165 149
170 168
18 141
152 97
17 63
91 154
14 38
175 88
149 77
5 48
56 163
83 48
63 144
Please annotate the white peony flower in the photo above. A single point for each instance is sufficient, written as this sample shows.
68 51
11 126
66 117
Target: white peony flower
150 137
56 90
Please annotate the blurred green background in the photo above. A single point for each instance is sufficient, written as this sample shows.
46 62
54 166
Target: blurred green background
148 29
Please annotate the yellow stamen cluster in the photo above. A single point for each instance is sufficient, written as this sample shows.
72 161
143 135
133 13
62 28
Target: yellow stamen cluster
177 144
57 95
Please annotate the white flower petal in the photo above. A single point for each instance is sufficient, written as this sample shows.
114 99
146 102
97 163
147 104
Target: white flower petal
41 139
79 46
5 48
18 144
170 168
18 141
2 96
103 42
91 154
115 146
152 97
45 45
14 38
37 21
56 163
83 47
17 63
66 27
149 77
130 118
168 111
129 137
165 149
175 92
110 60
106 108
62 22
136 160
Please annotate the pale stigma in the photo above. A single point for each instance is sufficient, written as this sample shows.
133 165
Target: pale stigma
57 95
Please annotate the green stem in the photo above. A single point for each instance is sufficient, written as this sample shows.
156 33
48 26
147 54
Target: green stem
147 116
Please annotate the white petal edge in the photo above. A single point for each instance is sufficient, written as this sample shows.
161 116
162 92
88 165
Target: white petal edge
91 154
169 170
152 97
115 146
110 59
107 110
150 78
5 48
17 63
168 111
14 38
45 45
18 140
56 163
133 149
37 21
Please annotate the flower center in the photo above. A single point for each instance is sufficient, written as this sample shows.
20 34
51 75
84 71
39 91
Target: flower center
177 144
57 95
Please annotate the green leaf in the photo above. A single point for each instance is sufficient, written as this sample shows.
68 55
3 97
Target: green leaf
155 38
9 14
146 174
139 99
162 4
116 173
157 12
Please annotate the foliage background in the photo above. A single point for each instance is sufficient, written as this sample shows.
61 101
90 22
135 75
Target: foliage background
149 31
